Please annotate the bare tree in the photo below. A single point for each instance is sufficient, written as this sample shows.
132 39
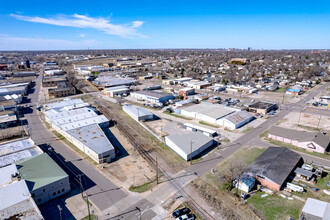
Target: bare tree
233 170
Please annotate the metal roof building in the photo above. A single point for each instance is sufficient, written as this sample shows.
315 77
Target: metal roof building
108 81
64 103
17 150
45 179
92 141
18 202
6 174
82 127
152 96
236 120
207 112
315 210
196 128
181 144
138 113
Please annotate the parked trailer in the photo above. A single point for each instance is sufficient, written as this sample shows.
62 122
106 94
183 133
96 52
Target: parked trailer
295 188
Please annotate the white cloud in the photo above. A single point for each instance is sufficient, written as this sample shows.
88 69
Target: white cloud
83 21
82 35
20 43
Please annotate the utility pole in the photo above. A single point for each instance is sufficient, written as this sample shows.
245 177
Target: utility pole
191 152
299 118
157 171
82 195
133 180
283 98
319 122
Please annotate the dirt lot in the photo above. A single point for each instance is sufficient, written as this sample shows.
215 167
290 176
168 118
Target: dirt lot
129 168
307 122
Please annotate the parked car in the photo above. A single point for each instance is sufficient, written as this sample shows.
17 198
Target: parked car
180 212
186 217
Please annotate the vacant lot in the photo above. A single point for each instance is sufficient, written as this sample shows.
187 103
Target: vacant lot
275 207
307 122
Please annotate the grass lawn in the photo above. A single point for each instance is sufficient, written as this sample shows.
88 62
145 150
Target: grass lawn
176 115
264 134
245 154
92 217
280 90
275 207
292 147
247 130
143 188
208 124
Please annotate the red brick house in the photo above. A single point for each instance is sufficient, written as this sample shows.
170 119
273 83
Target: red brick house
274 167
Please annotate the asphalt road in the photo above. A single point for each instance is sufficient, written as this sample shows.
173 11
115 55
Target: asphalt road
102 192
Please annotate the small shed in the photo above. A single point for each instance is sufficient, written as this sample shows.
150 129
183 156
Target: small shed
304 174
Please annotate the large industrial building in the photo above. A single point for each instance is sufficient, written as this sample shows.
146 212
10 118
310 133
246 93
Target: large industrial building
108 81
82 126
189 144
44 178
152 97
211 113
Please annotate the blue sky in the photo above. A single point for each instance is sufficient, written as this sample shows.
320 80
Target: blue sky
128 24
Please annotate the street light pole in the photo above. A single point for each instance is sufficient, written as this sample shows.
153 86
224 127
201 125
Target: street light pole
60 210
157 171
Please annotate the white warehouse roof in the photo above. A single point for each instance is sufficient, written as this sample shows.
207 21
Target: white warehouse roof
180 143
5 174
17 150
239 117
18 202
214 111
99 119
65 102
93 137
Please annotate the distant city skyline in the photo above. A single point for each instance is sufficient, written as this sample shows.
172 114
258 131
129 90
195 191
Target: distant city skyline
70 25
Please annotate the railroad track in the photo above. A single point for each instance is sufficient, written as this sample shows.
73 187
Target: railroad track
152 162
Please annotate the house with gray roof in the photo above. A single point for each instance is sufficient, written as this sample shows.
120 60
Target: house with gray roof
274 166
310 141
